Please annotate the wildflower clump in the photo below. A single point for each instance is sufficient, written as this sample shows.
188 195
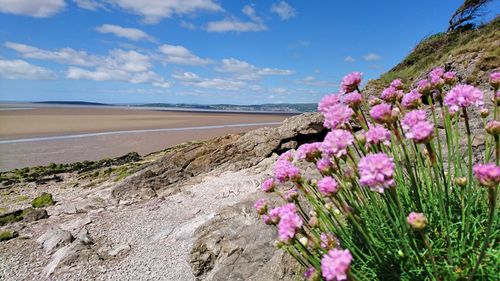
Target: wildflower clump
398 191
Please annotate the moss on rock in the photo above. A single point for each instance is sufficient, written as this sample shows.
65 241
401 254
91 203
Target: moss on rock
43 200
11 217
7 235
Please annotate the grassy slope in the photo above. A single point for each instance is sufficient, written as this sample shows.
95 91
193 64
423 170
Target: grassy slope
443 47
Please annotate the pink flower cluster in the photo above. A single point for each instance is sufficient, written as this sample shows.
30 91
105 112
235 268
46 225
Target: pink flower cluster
397 84
495 80
351 81
417 221
413 117
324 164
416 126
335 265
309 151
424 87
336 142
462 96
267 185
381 113
391 94
378 135
436 77
487 174
327 102
290 221
284 170
261 206
337 116
412 100
376 171
328 186
353 99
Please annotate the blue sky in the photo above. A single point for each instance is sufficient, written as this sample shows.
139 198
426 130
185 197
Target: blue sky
203 51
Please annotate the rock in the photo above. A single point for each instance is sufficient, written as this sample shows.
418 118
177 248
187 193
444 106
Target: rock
31 215
235 245
84 237
119 249
76 225
230 152
11 217
55 238
7 235
43 200
68 256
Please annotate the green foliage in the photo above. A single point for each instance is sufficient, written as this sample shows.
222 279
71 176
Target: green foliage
43 200
11 217
7 235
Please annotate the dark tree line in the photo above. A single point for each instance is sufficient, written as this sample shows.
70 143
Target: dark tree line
465 15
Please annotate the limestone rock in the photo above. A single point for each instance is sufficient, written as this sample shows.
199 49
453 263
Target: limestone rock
31 215
55 238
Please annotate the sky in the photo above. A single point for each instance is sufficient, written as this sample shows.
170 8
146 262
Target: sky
204 51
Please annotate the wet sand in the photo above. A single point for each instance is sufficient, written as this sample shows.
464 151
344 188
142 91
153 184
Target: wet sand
122 131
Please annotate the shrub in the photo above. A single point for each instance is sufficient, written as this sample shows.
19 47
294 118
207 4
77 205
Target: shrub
397 199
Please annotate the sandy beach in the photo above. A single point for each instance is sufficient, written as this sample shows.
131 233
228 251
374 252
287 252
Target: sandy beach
32 136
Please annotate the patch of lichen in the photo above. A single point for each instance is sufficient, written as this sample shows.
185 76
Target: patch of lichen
43 200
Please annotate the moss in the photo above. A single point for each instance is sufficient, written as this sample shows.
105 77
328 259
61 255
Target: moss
21 198
11 217
43 200
7 235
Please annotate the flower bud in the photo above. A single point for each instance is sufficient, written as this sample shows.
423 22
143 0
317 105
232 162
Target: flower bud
493 127
417 221
374 101
361 137
396 113
329 206
313 221
303 241
484 112
461 181
278 244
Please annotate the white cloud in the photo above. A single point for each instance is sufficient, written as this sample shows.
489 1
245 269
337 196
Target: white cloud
176 54
246 71
280 91
192 79
283 10
236 25
250 12
89 4
313 81
64 55
20 69
32 8
187 25
349 59
153 11
372 57
133 34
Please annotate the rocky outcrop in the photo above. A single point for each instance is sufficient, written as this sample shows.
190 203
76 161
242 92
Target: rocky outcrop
235 245
230 152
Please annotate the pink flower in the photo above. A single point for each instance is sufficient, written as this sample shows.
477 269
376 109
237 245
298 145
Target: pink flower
337 116
377 171
424 87
378 135
487 174
450 77
290 221
327 102
336 142
324 165
285 170
381 113
351 81
417 221
272 217
261 206
335 265
353 99
462 96
286 156
328 186
436 77
291 195
421 132
391 94
309 273
413 117
267 185
495 80
328 241
412 100
397 84
493 127
309 151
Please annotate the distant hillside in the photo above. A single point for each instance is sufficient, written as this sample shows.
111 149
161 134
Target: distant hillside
472 53
75 103
282 107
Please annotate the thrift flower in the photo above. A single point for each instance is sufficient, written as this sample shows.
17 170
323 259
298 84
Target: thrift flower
309 151
424 87
412 118
493 127
284 171
324 165
376 171
291 195
417 221
261 206
328 186
397 84
436 77
487 174
412 100
310 273
378 135
327 102
495 80
267 185
286 156
462 96
290 221
381 113
450 77
335 265
421 132
353 99
351 81
391 95
337 116
336 142
328 241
